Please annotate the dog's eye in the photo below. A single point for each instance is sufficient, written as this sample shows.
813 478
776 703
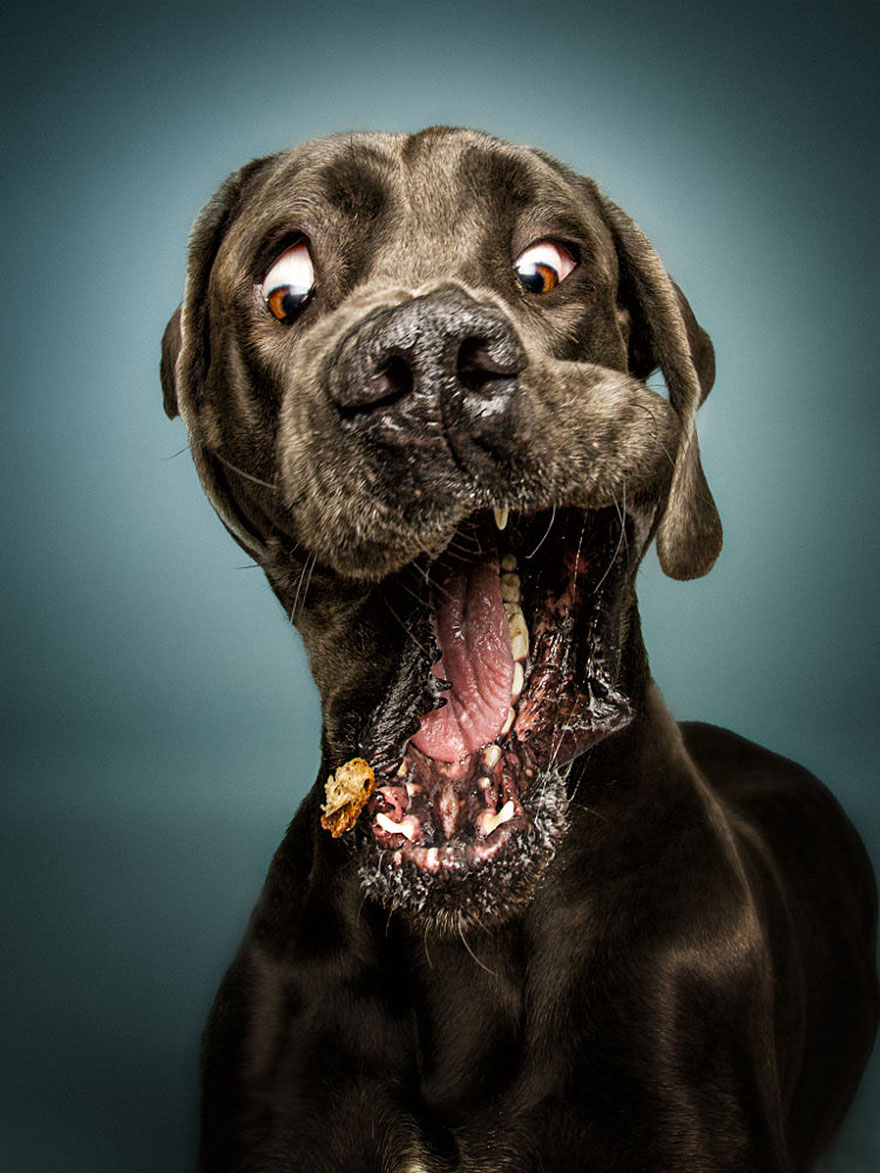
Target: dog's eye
542 266
288 285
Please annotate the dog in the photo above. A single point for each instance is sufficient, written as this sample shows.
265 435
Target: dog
524 921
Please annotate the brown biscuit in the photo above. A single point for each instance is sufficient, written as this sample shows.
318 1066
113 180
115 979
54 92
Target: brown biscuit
347 793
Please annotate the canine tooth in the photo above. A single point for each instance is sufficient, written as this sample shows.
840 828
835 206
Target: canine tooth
508 722
404 828
506 812
492 753
412 789
511 588
519 636
484 783
489 821
508 562
501 516
402 768
518 681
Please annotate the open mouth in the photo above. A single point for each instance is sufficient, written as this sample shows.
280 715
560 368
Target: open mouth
524 636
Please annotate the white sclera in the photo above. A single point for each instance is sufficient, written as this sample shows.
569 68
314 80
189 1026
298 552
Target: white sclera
293 270
546 253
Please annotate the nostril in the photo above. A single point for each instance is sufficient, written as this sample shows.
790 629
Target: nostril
358 392
481 364
393 381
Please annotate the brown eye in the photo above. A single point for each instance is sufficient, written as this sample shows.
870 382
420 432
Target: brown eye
289 283
542 266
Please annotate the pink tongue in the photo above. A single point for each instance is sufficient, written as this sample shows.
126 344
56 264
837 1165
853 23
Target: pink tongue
474 638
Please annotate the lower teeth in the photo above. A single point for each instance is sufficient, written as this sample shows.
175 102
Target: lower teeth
489 821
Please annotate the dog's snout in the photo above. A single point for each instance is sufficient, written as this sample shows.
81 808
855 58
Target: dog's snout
430 361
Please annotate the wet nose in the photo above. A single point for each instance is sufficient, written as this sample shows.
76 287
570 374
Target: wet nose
440 361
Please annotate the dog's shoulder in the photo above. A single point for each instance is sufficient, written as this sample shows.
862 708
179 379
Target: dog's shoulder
785 803
745 775
728 756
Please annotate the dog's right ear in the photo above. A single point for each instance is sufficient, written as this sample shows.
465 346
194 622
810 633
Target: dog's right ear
168 365
186 350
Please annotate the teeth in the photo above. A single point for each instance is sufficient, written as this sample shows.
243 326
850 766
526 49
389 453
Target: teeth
508 722
519 635
492 753
508 562
401 769
516 686
511 588
405 828
501 516
484 783
489 821
412 789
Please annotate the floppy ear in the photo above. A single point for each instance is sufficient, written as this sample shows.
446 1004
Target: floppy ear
168 365
664 333
186 351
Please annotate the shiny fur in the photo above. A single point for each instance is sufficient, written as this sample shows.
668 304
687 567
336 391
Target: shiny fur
686 981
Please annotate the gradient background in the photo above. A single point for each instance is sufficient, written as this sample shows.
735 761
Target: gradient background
161 725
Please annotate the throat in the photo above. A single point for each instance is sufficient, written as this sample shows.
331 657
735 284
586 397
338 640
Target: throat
476 664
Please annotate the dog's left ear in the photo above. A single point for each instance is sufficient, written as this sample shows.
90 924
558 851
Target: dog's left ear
664 333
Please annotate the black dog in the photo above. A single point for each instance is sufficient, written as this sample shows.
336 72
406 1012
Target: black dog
528 923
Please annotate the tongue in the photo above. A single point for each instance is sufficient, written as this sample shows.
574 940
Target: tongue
474 638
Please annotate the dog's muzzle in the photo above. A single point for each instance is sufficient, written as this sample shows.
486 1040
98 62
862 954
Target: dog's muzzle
438 369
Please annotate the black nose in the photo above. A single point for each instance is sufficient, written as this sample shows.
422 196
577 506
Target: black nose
439 365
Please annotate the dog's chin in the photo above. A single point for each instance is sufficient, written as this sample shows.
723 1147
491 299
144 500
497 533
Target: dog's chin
517 638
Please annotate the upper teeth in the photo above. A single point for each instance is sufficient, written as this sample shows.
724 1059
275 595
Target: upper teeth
510 588
519 635
501 516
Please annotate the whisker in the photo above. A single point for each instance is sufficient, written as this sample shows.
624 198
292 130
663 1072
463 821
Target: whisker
435 588
418 643
247 476
308 565
620 541
655 436
546 535
491 972
577 557
590 810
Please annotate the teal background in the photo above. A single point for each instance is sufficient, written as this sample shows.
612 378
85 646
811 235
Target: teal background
160 725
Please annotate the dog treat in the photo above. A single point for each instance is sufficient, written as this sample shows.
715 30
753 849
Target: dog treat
347 792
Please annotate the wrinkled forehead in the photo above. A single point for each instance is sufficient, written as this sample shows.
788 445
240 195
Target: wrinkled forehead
438 193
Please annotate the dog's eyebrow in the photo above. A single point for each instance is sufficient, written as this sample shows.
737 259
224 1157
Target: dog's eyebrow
508 180
357 181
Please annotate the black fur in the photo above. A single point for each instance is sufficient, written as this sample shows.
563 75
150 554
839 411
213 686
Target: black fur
672 967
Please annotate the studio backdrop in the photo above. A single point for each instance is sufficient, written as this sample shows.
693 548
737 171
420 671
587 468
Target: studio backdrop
160 723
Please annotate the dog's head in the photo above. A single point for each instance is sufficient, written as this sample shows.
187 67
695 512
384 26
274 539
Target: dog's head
412 369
